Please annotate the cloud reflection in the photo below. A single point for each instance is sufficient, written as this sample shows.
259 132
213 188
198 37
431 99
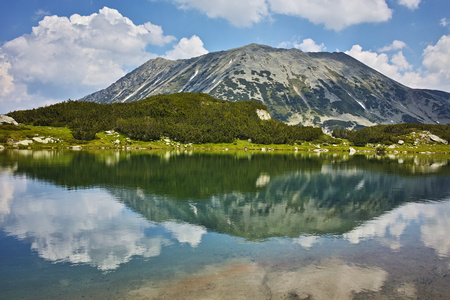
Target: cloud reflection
84 226
186 233
433 219
7 189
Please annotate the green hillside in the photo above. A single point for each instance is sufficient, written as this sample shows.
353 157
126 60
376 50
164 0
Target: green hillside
184 117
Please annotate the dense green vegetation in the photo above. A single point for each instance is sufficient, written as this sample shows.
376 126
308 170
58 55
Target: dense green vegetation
389 134
198 119
185 117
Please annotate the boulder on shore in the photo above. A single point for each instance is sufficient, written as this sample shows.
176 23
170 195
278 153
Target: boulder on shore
437 139
5 120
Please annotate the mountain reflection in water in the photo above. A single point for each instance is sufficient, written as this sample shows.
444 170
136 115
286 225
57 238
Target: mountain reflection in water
102 209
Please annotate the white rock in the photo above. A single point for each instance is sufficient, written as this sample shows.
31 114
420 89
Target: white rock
352 150
4 119
401 142
43 140
24 142
263 114
435 138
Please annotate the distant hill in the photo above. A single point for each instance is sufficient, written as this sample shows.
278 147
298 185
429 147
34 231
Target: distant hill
322 89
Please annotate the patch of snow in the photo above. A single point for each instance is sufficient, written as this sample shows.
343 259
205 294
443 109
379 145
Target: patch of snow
359 102
193 76
214 86
135 92
304 100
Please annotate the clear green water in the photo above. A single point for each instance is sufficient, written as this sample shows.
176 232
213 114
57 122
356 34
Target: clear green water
179 225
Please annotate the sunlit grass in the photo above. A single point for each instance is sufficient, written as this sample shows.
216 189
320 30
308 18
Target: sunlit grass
62 138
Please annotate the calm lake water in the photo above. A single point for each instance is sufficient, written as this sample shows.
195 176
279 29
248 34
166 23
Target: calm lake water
188 225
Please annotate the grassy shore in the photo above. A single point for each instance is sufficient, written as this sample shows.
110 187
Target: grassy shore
44 137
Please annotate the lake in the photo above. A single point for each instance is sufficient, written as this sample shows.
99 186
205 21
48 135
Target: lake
226 225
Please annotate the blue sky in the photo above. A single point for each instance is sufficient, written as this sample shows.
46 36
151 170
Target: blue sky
54 50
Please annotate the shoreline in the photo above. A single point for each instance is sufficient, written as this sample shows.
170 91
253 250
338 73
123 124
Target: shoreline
200 148
59 138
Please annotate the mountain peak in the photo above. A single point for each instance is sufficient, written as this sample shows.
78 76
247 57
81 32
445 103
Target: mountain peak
322 89
257 47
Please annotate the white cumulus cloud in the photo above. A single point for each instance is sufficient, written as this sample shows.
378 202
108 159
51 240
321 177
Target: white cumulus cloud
64 56
309 45
395 45
40 13
400 62
187 48
379 62
411 4
334 14
435 73
436 59
6 80
237 12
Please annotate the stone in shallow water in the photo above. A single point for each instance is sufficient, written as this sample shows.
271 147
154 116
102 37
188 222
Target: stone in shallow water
232 280
331 279
246 280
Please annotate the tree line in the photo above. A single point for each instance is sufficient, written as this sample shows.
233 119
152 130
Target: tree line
389 134
184 117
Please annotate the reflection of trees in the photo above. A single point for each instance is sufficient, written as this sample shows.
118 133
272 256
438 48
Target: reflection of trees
254 196
181 175
331 201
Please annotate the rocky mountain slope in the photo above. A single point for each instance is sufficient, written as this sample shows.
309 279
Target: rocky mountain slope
322 89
